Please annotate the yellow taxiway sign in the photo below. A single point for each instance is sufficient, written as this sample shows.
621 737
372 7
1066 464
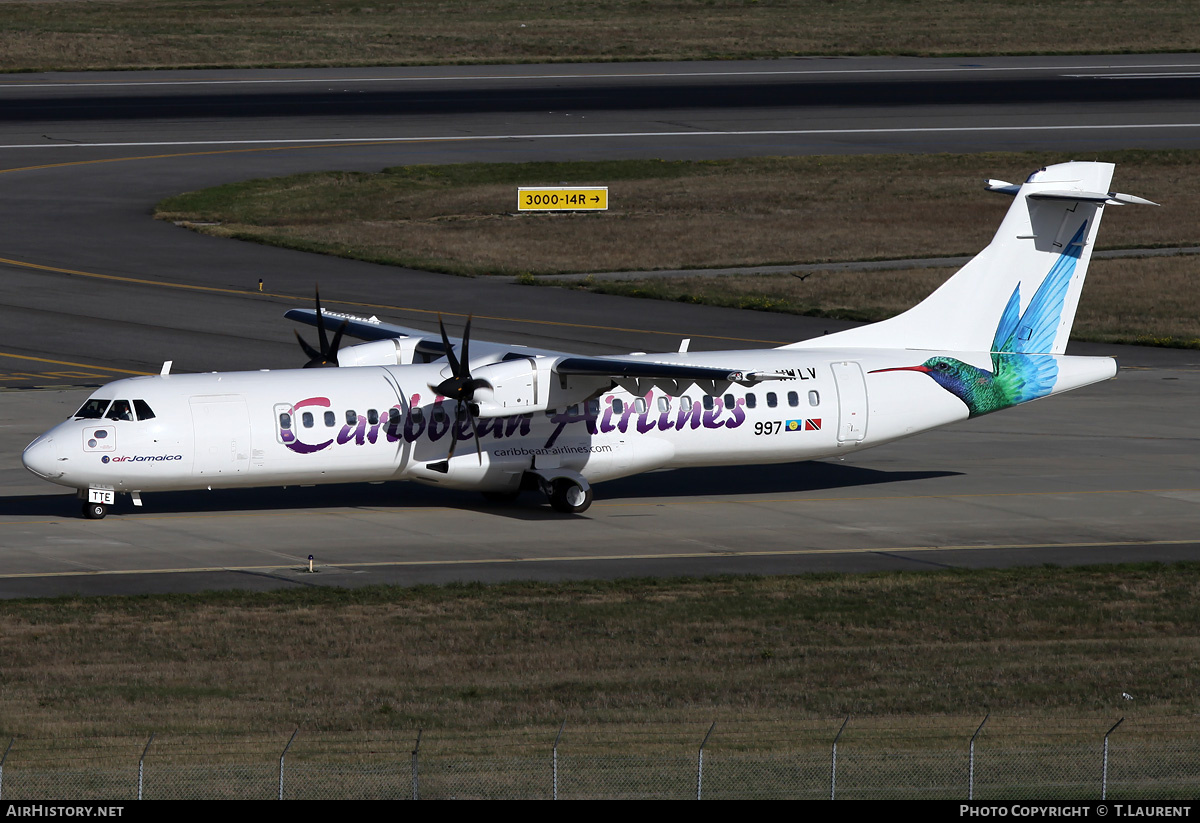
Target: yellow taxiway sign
562 198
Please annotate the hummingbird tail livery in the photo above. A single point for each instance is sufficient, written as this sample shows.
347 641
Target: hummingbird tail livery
395 407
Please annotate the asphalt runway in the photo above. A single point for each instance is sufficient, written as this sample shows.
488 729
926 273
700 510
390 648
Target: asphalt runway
93 289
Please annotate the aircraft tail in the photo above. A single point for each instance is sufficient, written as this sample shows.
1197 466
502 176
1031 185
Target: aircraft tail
1020 293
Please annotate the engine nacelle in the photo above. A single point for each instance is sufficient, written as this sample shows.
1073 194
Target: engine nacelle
529 384
514 388
375 353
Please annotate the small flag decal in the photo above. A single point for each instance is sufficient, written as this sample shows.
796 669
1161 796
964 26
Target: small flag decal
795 425
812 425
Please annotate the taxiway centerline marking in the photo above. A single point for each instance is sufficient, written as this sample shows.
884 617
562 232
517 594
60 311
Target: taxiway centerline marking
69 363
378 306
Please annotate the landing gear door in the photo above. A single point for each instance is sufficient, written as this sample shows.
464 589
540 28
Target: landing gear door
852 402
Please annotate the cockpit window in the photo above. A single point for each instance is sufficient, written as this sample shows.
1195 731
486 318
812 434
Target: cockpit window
143 410
92 409
120 410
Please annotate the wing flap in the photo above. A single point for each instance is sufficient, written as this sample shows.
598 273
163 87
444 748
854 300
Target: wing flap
617 368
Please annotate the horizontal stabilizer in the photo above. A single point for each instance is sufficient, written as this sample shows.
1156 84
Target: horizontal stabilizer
1111 198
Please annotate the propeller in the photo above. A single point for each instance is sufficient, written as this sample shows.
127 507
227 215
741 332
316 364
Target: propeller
459 387
327 355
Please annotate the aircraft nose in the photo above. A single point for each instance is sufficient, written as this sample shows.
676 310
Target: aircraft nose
41 458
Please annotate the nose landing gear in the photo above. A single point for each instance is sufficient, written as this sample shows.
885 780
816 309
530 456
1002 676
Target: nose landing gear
94 511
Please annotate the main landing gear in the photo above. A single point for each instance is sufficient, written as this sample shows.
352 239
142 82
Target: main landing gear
566 491
568 496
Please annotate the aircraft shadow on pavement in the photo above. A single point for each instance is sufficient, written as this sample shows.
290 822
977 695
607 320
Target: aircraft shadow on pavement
699 482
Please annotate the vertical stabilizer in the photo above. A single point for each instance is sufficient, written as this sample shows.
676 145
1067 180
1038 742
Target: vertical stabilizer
1020 293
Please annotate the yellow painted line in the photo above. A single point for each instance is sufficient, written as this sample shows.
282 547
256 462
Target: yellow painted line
302 565
166 284
69 363
340 144
252 293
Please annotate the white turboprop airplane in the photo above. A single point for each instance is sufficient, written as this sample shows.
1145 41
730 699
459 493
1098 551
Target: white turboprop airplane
991 337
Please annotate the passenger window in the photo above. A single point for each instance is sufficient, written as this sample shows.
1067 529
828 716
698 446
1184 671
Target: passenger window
685 402
793 399
593 408
573 410
307 420
772 400
438 414
418 414
143 410
372 417
751 401
285 421
639 405
330 418
618 405
119 410
729 401
351 418
664 404
814 398
92 409
708 402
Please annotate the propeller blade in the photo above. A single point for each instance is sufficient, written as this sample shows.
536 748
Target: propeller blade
466 342
475 431
320 321
454 431
337 340
450 358
313 354
327 354
460 387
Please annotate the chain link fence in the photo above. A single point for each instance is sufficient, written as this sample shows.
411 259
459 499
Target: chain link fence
897 758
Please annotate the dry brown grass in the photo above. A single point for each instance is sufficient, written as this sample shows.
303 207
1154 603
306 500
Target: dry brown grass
700 215
1148 300
525 655
734 213
162 33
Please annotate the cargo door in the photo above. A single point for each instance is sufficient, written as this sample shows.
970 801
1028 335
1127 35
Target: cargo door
221 425
852 402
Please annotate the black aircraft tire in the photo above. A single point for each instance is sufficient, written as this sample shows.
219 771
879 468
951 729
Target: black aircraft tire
568 497
94 511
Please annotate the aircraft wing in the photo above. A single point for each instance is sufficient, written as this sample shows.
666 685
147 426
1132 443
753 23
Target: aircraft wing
564 363
367 328
615 368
